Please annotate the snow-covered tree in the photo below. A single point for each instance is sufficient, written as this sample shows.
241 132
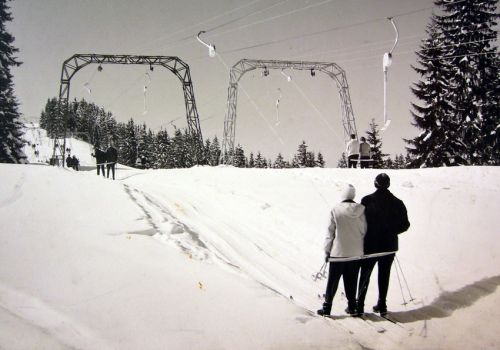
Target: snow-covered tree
215 152
239 159
251 161
279 163
260 161
459 87
320 162
149 150
435 145
206 151
342 162
162 144
127 148
48 116
301 156
388 163
310 160
399 162
11 128
372 137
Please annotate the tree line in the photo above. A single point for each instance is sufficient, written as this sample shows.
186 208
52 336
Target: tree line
159 150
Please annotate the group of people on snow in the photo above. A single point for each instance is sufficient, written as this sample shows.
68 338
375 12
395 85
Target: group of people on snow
358 152
72 162
360 236
108 158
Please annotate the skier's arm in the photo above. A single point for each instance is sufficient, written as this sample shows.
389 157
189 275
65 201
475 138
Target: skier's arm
364 225
404 223
330 236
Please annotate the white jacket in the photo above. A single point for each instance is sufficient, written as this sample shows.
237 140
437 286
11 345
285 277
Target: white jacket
352 147
346 231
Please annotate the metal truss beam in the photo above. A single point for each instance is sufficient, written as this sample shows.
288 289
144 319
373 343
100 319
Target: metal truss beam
243 66
76 62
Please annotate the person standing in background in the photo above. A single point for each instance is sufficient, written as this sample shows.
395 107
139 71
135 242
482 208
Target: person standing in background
352 151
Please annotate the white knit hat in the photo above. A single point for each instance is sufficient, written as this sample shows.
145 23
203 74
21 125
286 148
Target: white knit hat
348 193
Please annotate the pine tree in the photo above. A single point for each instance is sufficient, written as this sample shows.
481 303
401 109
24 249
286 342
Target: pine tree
388 164
279 162
342 162
192 152
178 150
11 128
302 155
127 148
215 152
251 161
469 30
260 162
239 157
408 161
459 87
376 145
310 160
436 143
149 149
206 152
48 116
399 162
320 162
162 150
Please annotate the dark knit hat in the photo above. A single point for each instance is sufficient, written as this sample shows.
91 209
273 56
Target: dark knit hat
382 181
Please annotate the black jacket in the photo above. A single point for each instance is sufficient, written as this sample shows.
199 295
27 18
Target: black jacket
100 156
386 218
112 155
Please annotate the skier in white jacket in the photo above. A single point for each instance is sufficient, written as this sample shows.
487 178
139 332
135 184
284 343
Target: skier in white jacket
344 239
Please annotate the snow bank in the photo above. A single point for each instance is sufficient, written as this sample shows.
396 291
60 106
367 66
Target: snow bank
222 258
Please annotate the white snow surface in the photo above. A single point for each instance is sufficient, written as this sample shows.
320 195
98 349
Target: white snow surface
222 258
37 140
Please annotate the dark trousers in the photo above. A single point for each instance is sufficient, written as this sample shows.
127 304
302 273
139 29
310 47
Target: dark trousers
101 166
349 271
112 167
364 161
384 274
352 160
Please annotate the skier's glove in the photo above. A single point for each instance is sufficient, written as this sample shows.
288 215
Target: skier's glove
327 257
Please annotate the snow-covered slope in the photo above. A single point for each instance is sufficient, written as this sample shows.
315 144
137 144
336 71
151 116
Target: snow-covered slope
39 148
222 258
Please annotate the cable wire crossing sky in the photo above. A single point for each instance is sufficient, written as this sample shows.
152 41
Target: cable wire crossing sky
355 35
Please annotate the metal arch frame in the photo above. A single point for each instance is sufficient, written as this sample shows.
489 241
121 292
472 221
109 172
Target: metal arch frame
172 63
243 66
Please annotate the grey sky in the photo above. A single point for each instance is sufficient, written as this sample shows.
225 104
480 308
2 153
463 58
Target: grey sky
355 34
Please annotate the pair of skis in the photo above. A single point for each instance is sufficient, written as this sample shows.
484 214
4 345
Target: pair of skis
368 319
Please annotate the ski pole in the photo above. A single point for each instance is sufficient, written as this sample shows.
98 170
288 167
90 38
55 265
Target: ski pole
321 273
400 285
404 279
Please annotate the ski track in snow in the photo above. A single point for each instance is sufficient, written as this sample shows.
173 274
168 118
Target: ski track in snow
171 230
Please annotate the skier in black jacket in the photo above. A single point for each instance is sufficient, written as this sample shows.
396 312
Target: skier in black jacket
386 217
100 159
112 158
